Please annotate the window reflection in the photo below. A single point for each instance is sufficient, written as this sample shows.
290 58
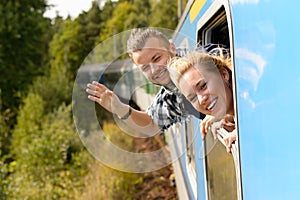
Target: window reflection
189 129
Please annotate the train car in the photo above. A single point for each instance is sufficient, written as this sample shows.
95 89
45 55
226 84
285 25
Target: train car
263 37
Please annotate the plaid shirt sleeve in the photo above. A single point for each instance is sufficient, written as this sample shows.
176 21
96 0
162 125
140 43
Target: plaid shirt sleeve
166 108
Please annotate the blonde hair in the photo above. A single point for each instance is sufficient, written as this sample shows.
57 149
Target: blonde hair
179 65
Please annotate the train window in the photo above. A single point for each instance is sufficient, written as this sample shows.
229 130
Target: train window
214 30
222 169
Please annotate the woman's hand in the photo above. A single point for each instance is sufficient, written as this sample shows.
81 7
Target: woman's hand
228 123
205 124
229 139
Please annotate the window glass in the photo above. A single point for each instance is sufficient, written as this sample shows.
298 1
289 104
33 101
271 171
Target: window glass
190 143
220 171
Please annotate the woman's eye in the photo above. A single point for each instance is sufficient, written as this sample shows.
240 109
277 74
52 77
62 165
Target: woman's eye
203 86
193 98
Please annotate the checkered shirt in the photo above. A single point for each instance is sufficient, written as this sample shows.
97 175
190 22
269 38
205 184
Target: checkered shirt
167 108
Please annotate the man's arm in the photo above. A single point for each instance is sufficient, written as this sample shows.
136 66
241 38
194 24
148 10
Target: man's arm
137 120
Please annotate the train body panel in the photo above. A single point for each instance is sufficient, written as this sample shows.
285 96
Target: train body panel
268 92
263 37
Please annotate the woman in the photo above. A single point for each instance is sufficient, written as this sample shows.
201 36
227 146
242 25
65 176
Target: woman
206 81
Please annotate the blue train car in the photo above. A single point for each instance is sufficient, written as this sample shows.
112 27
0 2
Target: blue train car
263 36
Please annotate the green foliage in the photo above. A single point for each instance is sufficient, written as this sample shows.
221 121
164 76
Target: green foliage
143 13
103 182
23 46
107 11
90 26
29 122
4 150
54 90
119 21
125 16
117 136
5 124
49 157
65 50
164 14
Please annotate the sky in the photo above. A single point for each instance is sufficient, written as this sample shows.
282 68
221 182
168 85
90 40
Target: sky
65 7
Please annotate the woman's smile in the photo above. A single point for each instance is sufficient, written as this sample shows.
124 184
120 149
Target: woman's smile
211 106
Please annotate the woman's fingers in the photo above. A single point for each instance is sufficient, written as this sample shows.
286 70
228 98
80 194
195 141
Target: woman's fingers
204 126
228 143
207 125
229 140
203 132
216 128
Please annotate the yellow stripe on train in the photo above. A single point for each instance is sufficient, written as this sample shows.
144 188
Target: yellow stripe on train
195 9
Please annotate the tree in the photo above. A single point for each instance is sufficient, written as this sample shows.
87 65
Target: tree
164 14
90 26
142 16
4 148
107 10
23 46
118 22
49 159
65 49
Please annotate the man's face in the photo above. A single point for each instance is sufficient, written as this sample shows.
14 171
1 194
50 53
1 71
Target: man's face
152 60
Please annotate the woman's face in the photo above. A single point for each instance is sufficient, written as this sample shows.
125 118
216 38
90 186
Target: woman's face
207 91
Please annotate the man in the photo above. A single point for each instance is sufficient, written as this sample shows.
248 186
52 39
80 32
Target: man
150 50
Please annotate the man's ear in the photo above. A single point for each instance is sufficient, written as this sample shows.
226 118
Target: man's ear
172 48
